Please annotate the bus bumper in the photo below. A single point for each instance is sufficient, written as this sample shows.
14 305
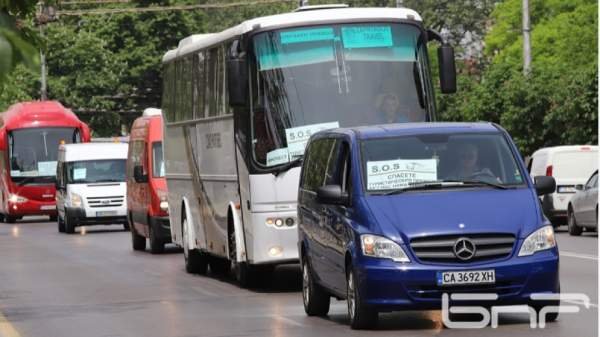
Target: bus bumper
31 207
272 244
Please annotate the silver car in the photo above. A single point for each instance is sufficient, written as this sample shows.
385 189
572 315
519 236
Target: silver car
583 207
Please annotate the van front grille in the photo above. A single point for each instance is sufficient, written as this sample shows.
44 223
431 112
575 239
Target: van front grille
441 248
100 202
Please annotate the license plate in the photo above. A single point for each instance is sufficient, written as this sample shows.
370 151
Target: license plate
106 213
466 277
47 207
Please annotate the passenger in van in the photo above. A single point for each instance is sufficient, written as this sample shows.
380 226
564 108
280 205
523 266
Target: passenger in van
469 166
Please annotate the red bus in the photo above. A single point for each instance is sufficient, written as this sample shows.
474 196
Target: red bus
30 133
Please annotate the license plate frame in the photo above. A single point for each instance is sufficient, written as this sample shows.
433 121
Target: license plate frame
48 207
466 277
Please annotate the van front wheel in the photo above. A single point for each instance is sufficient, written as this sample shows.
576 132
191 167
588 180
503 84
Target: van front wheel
361 316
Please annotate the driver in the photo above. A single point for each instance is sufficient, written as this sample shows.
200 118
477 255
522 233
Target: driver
468 166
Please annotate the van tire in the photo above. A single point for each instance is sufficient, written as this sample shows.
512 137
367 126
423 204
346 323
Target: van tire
138 242
61 224
156 245
316 300
53 218
69 225
361 316
196 262
574 230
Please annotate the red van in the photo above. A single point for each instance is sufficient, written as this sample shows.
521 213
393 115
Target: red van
147 207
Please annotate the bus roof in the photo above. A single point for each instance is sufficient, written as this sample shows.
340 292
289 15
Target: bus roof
299 18
38 114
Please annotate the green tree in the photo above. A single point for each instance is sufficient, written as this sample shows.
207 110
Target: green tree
16 40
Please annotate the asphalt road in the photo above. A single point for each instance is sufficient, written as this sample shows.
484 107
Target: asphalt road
93 284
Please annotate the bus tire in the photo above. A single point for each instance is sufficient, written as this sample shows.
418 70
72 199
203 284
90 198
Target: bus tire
10 219
242 271
196 262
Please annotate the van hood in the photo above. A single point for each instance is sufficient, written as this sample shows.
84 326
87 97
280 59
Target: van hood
99 189
411 215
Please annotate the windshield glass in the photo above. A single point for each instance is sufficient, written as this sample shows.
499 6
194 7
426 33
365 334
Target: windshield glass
33 152
401 162
313 78
158 165
96 171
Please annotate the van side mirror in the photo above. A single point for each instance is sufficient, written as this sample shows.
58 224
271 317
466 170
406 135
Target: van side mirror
544 185
237 81
138 174
332 194
447 68
579 187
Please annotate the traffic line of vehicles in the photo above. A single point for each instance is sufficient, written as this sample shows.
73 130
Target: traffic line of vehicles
306 138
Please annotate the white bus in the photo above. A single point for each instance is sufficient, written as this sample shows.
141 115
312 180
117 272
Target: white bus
240 105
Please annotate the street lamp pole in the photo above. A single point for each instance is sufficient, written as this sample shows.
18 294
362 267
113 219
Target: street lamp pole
526 39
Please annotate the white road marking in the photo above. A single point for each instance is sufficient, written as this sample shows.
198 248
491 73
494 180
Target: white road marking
579 256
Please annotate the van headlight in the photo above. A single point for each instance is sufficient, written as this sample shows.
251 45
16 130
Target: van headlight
16 199
163 200
164 206
541 239
76 200
377 246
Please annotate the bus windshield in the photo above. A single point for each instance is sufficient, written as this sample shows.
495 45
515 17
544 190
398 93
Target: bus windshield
96 171
33 152
312 78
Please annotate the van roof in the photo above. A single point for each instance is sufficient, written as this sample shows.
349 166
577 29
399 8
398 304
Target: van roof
93 151
401 129
566 148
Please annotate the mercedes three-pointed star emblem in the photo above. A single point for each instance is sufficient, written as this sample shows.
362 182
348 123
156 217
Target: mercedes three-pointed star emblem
464 249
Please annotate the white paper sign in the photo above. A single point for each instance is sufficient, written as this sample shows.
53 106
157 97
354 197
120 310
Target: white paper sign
392 174
298 137
79 173
47 168
162 169
15 173
279 156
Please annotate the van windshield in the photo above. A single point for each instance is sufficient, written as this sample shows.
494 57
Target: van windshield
96 171
396 163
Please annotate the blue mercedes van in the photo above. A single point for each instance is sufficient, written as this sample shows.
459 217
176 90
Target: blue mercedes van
392 217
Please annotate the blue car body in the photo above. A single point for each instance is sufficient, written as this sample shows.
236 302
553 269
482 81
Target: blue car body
329 235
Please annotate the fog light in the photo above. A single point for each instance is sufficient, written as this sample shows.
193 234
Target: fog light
15 207
275 251
269 221
278 222
289 222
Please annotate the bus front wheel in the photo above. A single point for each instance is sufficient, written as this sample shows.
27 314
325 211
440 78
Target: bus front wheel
196 262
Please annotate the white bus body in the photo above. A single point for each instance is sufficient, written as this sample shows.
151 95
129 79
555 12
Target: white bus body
231 194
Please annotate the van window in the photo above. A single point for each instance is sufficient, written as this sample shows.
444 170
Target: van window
315 169
96 171
158 165
394 163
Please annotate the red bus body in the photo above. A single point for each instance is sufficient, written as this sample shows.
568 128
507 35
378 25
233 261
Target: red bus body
30 133
144 198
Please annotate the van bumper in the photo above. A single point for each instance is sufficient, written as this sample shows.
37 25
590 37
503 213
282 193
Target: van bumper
390 286
78 217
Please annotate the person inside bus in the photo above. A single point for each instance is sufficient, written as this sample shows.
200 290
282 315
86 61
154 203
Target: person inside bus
388 109
469 166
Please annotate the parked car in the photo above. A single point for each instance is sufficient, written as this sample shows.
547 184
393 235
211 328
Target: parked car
392 217
570 166
148 209
90 185
583 207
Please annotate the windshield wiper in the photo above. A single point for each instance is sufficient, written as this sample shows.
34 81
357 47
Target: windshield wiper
106 181
34 179
425 186
479 183
285 167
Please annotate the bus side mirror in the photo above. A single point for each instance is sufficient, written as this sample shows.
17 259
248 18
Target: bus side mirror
447 68
237 81
138 174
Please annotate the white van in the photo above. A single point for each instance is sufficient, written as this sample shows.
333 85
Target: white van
570 166
90 185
